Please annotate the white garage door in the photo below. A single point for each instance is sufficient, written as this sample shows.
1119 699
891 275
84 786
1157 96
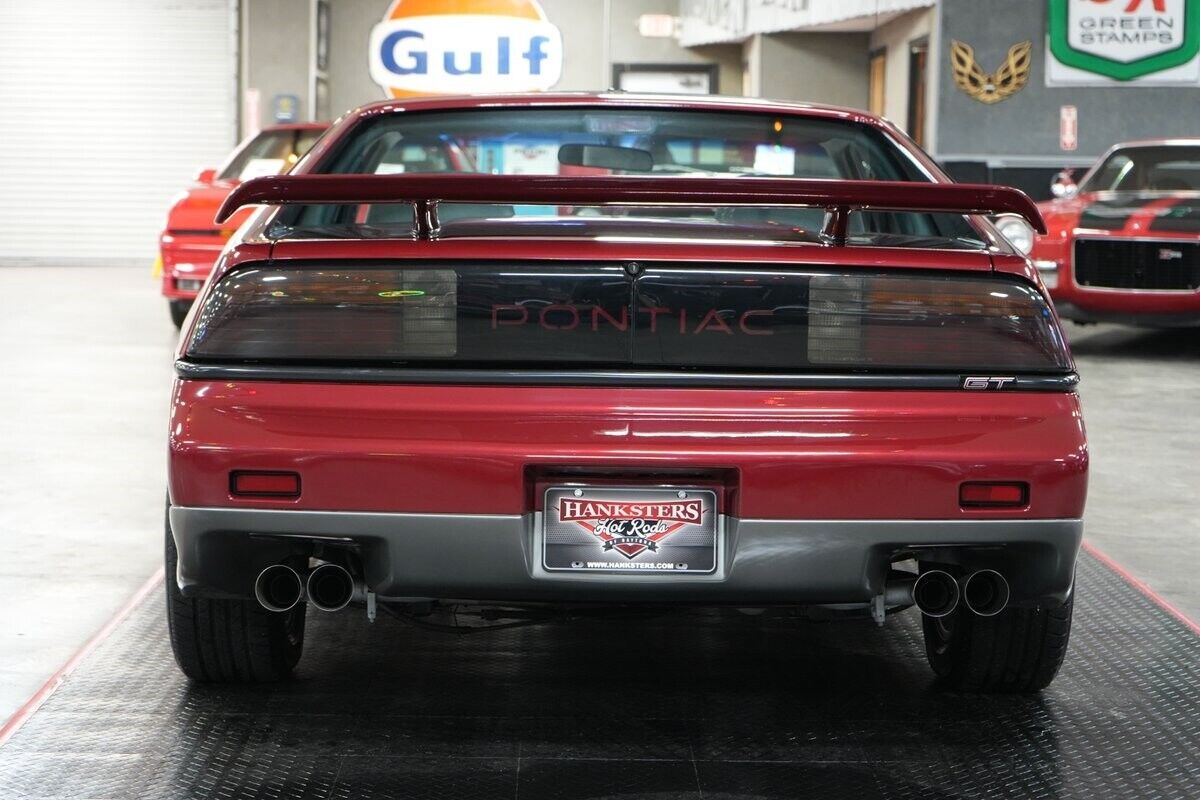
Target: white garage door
107 109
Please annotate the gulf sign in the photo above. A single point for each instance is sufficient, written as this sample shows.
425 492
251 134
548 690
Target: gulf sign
427 47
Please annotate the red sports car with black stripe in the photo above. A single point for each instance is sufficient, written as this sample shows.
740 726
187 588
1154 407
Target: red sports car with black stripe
1124 243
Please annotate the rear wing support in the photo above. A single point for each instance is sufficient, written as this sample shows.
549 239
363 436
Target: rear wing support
838 198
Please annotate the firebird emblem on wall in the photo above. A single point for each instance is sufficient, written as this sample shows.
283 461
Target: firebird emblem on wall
1006 81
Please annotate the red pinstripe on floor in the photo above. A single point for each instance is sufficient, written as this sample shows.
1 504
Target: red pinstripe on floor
1150 594
43 694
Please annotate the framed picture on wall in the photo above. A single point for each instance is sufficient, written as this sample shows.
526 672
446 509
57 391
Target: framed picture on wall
322 48
665 78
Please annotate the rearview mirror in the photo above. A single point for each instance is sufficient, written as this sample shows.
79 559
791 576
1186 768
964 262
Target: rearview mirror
1063 185
628 159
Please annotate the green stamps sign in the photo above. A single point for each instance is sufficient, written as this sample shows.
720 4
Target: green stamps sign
1123 41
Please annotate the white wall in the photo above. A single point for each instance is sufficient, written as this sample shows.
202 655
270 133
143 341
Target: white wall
828 68
108 108
895 37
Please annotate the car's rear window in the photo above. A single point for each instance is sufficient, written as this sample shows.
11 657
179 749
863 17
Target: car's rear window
1152 168
705 145
269 153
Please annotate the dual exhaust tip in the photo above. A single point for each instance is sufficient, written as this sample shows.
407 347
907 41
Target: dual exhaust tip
329 587
936 593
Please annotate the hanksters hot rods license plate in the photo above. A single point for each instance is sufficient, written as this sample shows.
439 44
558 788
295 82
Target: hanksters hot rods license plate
647 531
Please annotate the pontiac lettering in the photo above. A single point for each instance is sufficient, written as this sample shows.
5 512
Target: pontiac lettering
567 317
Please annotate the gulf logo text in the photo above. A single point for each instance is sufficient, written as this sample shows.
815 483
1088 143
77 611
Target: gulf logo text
465 53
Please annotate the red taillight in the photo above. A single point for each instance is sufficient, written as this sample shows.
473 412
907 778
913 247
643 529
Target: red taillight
930 322
993 495
264 484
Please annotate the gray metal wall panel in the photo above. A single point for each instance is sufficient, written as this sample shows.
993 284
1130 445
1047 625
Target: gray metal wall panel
1027 123
815 68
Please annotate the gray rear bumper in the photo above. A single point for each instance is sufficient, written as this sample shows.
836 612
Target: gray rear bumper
497 558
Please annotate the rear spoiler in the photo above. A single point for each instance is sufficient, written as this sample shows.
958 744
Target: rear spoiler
837 197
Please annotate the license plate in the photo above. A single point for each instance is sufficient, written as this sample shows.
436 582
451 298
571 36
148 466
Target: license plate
630 531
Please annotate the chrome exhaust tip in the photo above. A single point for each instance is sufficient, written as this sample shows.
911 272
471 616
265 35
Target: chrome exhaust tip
278 588
986 592
935 593
330 587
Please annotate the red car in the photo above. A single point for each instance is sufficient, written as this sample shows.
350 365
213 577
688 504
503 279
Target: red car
191 241
586 352
1124 243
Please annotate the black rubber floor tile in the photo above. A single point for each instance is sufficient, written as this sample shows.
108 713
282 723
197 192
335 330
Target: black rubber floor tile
787 781
38 776
958 741
588 737
937 742
461 737
620 707
975 779
905 742
324 734
799 741
242 764
83 733
557 779
108 693
401 778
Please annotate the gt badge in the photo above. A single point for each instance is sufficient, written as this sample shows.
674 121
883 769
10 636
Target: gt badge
987 383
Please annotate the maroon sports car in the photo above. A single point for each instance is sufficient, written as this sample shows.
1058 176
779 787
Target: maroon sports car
578 352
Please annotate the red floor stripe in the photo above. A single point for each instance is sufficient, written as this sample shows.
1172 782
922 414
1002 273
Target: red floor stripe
43 694
1150 594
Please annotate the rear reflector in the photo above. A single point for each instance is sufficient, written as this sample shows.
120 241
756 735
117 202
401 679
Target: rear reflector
264 484
993 495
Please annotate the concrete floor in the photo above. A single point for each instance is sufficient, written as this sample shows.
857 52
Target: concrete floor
1141 405
85 355
85 365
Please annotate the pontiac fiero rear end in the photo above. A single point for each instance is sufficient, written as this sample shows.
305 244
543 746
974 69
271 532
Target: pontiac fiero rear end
712 353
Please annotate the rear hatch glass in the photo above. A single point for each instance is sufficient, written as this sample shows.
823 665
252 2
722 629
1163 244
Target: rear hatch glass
645 141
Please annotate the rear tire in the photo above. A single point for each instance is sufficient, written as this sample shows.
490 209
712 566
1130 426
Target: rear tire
229 641
1017 650
179 311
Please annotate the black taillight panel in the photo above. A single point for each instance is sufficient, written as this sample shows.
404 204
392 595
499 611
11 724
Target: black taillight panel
764 318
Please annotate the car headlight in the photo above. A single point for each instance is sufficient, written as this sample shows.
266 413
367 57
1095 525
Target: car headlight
1018 233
